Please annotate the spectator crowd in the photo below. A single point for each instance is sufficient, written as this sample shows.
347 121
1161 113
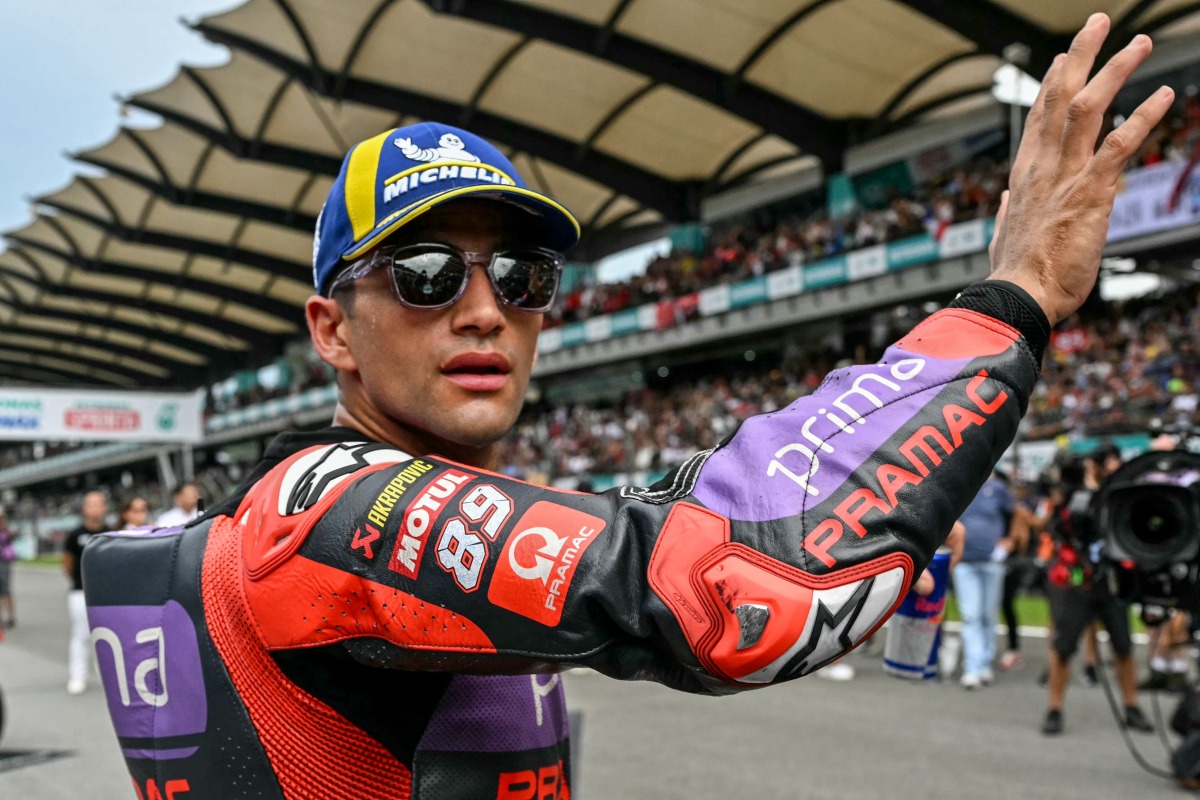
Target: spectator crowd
1112 369
751 247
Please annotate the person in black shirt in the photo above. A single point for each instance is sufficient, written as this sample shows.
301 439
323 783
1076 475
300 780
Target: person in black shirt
94 510
1078 598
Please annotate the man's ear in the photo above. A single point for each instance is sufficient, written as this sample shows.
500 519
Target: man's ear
328 327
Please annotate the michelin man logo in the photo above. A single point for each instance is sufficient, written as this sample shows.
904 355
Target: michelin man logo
450 148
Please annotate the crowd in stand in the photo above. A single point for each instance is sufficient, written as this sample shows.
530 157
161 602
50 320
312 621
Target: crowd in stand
1135 361
304 371
652 430
1177 137
1111 371
749 247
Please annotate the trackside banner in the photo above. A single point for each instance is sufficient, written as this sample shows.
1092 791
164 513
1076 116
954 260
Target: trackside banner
1156 198
960 239
1150 199
67 414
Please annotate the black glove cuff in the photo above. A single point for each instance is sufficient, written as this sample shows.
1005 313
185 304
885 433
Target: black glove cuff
1012 305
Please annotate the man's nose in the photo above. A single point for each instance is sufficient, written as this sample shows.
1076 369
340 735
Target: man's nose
479 309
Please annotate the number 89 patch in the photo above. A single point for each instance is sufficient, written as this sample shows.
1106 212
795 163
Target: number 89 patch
461 543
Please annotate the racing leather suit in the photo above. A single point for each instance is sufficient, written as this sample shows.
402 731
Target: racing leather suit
358 622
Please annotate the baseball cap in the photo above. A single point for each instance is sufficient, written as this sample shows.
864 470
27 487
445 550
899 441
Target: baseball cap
391 179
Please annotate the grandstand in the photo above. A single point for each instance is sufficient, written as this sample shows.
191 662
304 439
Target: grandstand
810 222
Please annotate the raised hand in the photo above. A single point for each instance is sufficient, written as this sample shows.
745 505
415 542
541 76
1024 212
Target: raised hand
1053 221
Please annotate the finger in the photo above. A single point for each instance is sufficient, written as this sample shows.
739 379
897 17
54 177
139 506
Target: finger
1071 78
1120 145
998 231
1033 124
1085 114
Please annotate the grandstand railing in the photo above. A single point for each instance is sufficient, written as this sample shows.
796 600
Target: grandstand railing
320 397
962 239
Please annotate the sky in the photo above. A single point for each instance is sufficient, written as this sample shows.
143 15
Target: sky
62 62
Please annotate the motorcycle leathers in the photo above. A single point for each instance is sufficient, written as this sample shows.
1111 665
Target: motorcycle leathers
361 622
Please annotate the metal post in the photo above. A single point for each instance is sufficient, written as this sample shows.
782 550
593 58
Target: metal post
1016 55
166 477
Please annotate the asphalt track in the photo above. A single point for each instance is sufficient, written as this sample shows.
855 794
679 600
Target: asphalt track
874 737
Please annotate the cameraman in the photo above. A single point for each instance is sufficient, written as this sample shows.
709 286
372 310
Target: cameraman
1077 597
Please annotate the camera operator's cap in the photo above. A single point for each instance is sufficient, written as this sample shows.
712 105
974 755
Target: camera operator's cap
395 177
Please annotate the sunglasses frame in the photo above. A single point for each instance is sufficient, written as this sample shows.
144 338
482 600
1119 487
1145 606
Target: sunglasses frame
385 257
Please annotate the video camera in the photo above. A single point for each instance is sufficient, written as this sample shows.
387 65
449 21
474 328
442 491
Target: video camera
1147 513
1147 516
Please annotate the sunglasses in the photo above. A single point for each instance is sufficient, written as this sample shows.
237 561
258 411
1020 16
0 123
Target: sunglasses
433 276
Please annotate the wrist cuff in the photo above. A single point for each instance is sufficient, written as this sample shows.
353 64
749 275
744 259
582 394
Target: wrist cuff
1012 305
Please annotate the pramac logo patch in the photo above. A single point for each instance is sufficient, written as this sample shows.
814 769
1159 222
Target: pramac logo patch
538 563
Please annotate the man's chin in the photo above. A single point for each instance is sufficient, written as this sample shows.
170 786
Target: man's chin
475 428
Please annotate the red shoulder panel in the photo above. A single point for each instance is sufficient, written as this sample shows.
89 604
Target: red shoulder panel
304 603
282 507
298 602
315 752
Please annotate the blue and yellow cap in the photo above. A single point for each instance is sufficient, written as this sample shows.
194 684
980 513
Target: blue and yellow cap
395 177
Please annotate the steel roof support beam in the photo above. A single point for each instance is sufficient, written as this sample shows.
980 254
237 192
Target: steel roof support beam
182 342
136 377
209 201
276 308
224 325
21 368
187 244
993 27
141 354
129 372
241 147
673 200
34 375
17 306
812 132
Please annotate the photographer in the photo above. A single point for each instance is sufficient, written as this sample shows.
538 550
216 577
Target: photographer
1077 598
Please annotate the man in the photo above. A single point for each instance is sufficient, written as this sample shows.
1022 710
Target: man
978 577
376 614
186 508
1078 599
93 510
8 554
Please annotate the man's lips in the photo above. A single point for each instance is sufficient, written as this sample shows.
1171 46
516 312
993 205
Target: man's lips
478 371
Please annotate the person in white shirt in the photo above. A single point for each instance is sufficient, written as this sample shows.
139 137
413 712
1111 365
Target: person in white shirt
187 506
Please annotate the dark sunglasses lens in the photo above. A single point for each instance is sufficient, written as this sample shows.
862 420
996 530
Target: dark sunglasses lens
526 280
428 279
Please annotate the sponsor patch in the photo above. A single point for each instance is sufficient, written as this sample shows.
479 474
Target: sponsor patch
538 562
419 518
149 662
394 490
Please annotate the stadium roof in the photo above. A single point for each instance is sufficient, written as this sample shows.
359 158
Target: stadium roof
190 257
